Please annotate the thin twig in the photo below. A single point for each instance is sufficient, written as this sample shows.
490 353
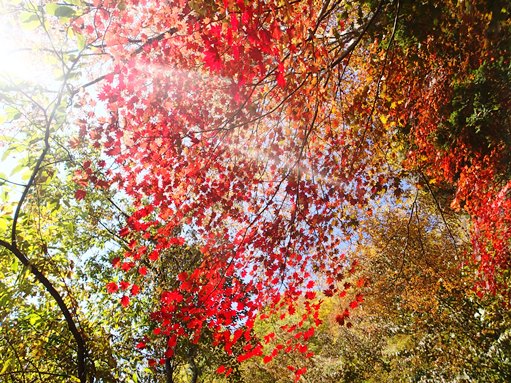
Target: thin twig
3 180
353 45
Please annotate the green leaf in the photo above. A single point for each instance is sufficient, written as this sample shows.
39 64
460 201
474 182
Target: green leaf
15 265
64 11
27 173
29 20
12 113
61 11
33 319
81 42
6 366
51 8
18 168
5 155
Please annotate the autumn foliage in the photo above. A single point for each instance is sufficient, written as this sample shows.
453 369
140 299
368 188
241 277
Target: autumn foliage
222 131
257 131
255 145
448 98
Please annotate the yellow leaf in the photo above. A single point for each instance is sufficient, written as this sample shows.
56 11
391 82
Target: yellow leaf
6 366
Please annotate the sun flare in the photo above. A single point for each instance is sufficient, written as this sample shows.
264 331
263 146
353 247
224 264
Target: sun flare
21 54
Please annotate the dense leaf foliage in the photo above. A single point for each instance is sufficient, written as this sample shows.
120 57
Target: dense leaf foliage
230 172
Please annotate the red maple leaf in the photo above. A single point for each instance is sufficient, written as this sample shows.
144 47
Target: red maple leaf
221 369
281 80
310 295
80 194
111 287
125 301
135 289
124 285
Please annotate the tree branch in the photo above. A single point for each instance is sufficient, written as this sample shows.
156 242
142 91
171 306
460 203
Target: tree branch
353 45
151 40
13 247
41 278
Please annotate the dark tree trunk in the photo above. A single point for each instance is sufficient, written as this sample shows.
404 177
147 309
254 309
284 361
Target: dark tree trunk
169 371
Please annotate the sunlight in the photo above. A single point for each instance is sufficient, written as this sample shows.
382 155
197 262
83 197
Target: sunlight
21 58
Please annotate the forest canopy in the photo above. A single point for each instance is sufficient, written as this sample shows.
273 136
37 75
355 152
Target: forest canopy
255 191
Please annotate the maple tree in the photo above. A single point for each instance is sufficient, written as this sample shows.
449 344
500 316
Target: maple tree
446 98
226 148
235 147
420 319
